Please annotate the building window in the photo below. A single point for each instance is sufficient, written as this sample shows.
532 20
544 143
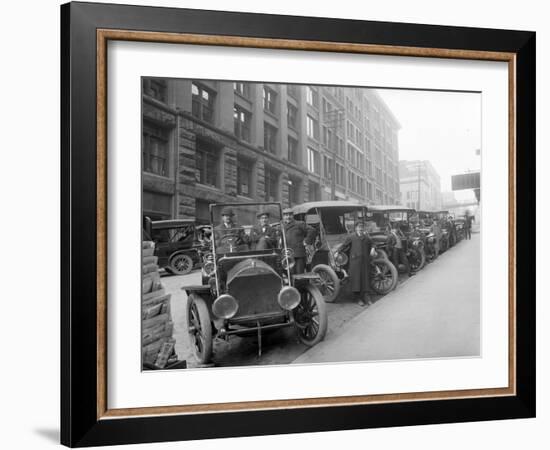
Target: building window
271 185
244 177
207 163
155 149
369 168
339 174
242 119
270 100
369 190
379 196
203 103
312 128
270 138
313 161
293 150
328 168
312 96
242 89
292 116
156 88
157 206
314 192
292 90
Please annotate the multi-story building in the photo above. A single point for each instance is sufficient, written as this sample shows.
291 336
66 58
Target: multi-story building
420 185
218 141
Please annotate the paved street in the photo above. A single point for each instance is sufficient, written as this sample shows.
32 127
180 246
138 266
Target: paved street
436 313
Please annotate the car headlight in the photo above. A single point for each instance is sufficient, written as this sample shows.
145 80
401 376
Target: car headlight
287 260
341 259
288 298
225 306
373 252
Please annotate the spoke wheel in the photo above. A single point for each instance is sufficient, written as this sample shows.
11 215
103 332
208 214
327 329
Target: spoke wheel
417 259
181 264
310 316
330 283
199 327
383 276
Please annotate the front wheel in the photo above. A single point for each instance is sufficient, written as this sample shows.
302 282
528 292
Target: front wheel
199 327
181 264
383 276
310 316
330 283
417 259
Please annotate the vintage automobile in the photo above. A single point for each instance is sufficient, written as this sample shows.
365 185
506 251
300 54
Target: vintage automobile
178 243
423 228
334 220
459 224
448 237
386 215
248 287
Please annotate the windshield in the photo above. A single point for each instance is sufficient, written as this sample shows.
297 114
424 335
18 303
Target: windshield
339 220
246 227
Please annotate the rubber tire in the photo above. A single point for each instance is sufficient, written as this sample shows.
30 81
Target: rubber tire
323 317
336 281
422 259
394 274
175 270
205 321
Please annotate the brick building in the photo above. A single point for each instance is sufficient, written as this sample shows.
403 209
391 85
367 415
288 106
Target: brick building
218 141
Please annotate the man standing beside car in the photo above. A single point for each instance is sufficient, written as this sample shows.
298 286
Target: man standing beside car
360 245
296 233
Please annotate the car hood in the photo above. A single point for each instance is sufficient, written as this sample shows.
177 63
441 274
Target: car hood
250 267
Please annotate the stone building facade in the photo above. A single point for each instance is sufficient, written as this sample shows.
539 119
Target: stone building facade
420 185
217 141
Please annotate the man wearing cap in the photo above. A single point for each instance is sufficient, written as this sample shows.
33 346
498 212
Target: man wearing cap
263 235
228 235
359 243
296 233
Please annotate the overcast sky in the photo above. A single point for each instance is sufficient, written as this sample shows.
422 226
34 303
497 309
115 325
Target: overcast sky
442 127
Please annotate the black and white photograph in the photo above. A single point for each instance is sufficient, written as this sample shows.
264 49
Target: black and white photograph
303 224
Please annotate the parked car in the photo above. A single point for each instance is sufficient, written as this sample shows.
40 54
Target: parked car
334 220
178 243
424 229
384 216
248 289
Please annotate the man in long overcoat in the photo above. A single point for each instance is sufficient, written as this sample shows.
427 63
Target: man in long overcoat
359 244
296 233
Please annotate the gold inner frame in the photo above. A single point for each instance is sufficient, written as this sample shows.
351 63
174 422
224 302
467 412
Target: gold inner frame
104 35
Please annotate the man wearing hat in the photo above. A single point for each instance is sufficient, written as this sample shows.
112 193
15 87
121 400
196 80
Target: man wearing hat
263 235
359 244
228 235
296 233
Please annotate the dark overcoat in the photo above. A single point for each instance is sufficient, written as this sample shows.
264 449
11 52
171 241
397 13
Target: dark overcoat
359 261
296 232
236 230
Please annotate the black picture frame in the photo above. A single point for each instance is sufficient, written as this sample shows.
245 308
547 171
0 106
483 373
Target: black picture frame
80 425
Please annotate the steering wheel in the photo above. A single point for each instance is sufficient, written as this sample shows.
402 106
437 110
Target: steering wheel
228 240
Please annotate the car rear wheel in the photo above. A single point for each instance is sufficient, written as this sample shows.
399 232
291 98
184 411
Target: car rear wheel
383 276
310 316
199 327
330 283
181 264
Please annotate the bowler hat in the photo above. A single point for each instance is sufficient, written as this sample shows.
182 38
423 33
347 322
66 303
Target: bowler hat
227 212
287 211
264 213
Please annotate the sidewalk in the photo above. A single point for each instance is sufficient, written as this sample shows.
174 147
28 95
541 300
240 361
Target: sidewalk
433 314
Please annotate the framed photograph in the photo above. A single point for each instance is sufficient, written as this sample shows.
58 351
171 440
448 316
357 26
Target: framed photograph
278 224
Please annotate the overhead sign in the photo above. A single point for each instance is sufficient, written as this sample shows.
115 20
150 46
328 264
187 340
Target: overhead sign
466 181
